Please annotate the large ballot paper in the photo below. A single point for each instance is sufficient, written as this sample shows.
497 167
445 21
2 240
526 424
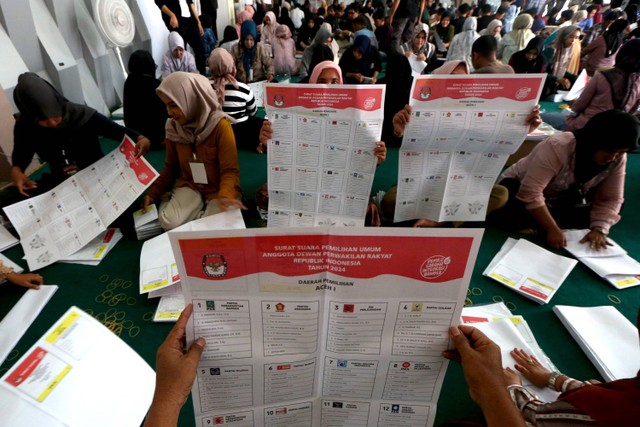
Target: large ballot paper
321 157
56 224
462 130
323 326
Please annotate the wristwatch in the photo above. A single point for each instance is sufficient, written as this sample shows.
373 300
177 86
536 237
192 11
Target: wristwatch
552 380
600 230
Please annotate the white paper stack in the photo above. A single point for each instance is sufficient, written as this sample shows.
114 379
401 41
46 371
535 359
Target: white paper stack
146 222
77 357
96 250
612 264
608 339
7 240
529 270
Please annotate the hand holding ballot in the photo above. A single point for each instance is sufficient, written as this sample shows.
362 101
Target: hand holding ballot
175 374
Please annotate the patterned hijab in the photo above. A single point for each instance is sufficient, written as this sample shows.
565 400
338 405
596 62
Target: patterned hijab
193 94
223 71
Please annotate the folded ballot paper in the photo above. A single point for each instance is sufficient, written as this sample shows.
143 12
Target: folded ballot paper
530 270
146 222
96 250
77 357
7 240
608 339
612 264
158 271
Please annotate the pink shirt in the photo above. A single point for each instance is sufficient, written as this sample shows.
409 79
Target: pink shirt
596 60
549 170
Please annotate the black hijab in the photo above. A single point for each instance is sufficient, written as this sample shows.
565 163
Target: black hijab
613 36
141 62
38 100
596 135
443 32
520 63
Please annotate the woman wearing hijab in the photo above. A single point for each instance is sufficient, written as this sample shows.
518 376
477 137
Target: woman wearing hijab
323 37
253 59
201 165
601 53
307 33
361 62
530 59
572 180
230 38
236 98
284 19
443 34
493 29
62 133
241 17
269 26
177 58
143 110
460 47
420 48
284 52
517 39
565 64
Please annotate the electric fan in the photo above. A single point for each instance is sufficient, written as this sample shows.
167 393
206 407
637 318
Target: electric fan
115 21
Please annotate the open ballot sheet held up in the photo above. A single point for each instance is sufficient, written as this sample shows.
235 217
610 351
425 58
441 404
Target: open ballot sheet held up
321 157
462 130
323 326
56 224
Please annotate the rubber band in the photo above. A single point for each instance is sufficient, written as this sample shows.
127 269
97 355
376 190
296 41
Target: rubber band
99 298
509 304
476 292
119 317
468 302
104 278
15 353
148 316
101 317
107 294
614 299
121 297
497 298
111 313
127 324
89 311
468 291
118 282
133 332
3 371
131 301
127 284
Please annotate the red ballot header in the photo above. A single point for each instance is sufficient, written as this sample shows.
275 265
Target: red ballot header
518 89
337 97
427 259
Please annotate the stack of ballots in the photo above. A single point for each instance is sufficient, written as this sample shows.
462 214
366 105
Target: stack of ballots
146 222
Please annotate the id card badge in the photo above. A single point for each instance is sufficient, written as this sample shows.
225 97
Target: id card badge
198 172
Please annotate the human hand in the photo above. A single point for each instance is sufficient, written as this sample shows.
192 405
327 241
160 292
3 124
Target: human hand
266 133
173 22
533 119
269 77
408 54
596 240
226 204
175 368
511 377
70 170
481 361
148 200
421 57
380 152
358 77
22 181
400 120
28 280
142 146
556 238
531 368
200 29
565 83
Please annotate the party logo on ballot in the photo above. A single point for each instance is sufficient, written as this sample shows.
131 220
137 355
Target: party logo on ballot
214 265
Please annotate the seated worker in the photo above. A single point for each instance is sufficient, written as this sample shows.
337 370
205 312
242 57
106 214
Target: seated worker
484 59
565 64
253 59
571 180
27 280
419 47
62 133
236 98
201 165
504 402
361 63
177 58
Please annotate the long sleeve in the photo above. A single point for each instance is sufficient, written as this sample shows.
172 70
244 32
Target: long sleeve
546 164
23 148
547 414
228 162
609 197
168 174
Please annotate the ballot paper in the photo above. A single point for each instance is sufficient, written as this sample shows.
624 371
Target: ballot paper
21 316
58 223
304 329
146 223
612 263
529 270
258 92
608 339
96 250
321 158
169 308
504 333
461 132
7 240
77 357
416 66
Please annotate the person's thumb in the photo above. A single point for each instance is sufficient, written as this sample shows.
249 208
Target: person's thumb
460 341
196 349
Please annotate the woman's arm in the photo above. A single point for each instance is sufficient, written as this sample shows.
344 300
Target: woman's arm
168 174
108 128
228 162
596 85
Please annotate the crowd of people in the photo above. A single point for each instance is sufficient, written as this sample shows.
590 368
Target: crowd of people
203 110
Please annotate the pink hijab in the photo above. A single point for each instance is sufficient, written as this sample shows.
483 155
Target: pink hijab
449 66
242 16
324 65
193 94
223 71
269 31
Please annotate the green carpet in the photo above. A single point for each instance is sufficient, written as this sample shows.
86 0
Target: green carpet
112 287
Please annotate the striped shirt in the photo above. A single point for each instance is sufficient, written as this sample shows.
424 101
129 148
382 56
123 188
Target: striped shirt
239 103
